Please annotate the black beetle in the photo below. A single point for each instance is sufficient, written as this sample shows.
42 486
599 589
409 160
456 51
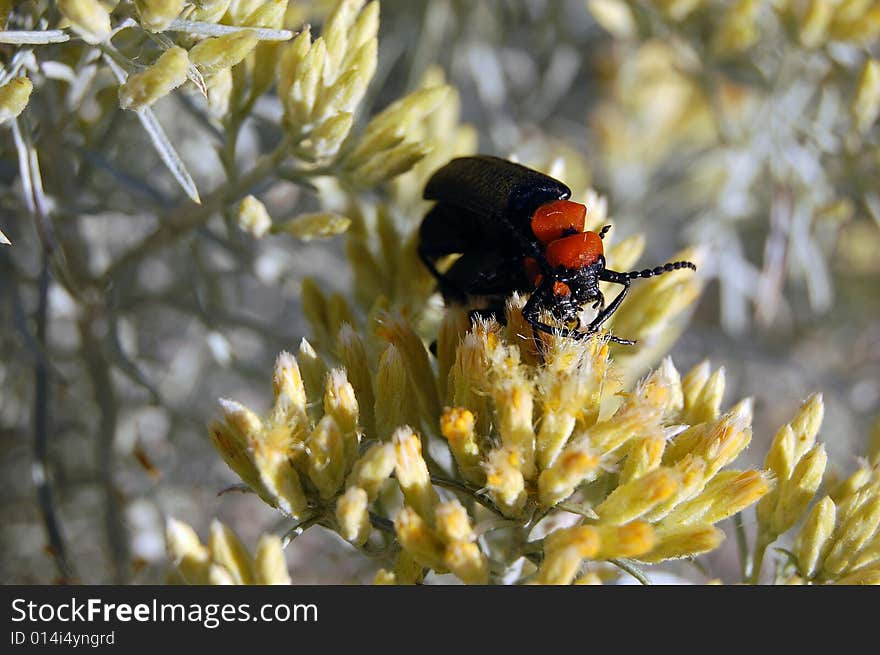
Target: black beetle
516 230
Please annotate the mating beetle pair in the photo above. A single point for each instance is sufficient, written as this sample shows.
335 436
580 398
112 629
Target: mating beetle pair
516 230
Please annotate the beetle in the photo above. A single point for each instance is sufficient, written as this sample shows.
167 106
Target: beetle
515 229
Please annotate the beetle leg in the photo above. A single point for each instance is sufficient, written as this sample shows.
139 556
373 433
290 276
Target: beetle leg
531 309
606 313
531 314
604 231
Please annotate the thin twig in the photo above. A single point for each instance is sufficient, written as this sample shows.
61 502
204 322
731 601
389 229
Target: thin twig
381 523
299 528
633 570
452 485
33 37
742 546
581 510
31 343
241 488
757 562
213 29
29 168
105 397
41 469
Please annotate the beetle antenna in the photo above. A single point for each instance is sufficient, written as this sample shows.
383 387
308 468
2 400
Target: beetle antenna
604 231
660 270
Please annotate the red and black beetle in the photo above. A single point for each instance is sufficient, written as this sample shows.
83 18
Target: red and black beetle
516 230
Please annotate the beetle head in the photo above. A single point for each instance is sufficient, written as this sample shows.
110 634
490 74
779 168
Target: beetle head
568 289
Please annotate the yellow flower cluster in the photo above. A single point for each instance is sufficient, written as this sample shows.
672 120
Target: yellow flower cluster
449 546
225 560
644 494
530 434
516 422
820 21
840 539
321 82
660 94
798 464
296 461
736 25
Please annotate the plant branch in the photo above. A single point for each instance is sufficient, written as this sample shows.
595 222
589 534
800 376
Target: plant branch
189 216
105 398
299 528
758 560
742 546
633 570
41 471
458 487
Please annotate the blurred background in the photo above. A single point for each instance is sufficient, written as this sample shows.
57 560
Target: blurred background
744 126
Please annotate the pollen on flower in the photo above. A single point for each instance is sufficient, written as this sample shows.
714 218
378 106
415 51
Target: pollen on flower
628 540
419 540
560 480
467 562
504 479
453 522
412 473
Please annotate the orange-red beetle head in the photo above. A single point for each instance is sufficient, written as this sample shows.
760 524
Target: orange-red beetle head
559 226
575 251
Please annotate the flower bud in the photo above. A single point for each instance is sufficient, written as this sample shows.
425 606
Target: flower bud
269 563
866 105
14 96
631 500
326 450
157 15
352 515
372 469
321 225
467 562
412 473
418 540
88 18
253 217
504 480
218 53
143 89
186 552
457 426
814 538
227 550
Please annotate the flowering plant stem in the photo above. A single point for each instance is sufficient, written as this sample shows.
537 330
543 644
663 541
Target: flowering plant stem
633 570
452 485
742 546
758 559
